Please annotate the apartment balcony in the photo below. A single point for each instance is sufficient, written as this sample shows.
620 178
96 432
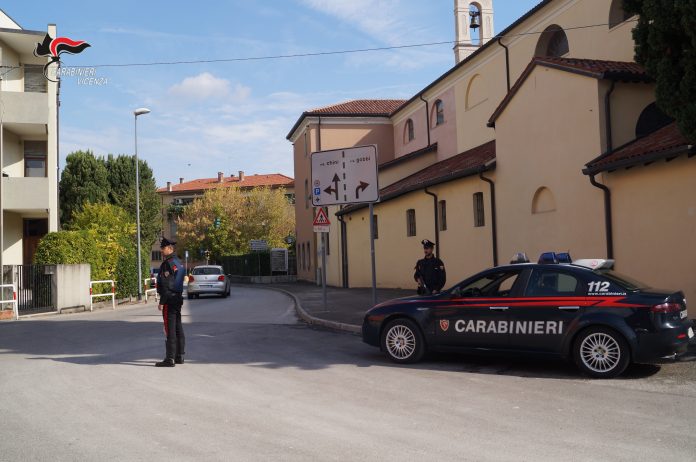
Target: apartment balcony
25 195
25 112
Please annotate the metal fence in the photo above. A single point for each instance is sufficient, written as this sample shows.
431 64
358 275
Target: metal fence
254 264
34 289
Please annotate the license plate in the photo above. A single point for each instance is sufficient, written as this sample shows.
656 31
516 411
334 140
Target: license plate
691 332
206 285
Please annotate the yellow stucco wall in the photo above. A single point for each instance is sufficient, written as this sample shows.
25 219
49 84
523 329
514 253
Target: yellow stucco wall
654 210
464 248
544 137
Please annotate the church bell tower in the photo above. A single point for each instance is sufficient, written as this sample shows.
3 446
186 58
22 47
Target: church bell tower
473 24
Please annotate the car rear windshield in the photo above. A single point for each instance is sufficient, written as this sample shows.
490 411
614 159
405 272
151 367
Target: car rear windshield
626 282
205 271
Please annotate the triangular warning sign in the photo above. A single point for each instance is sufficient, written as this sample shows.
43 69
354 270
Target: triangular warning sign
321 219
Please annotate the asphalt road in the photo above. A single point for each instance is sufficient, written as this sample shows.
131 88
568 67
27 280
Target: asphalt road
258 385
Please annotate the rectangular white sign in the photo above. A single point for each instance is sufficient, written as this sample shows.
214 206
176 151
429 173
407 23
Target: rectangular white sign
345 176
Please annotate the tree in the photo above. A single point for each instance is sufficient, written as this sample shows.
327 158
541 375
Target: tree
83 180
666 46
262 213
121 176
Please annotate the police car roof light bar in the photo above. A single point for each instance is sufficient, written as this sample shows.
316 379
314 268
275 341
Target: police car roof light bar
519 257
548 258
564 257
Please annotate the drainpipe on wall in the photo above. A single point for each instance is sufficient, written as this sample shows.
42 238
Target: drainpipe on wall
507 62
607 215
494 221
427 116
437 222
607 115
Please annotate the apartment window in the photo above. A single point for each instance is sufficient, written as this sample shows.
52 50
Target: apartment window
409 134
442 211
439 112
156 255
410 222
35 159
479 219
34 80
306 194
172 229
309 256
375 223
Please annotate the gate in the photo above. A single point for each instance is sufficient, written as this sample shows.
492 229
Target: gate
34 289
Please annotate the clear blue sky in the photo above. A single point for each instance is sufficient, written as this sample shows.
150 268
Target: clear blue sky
234 116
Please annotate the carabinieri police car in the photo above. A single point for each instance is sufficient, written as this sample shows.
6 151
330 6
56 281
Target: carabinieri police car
582 311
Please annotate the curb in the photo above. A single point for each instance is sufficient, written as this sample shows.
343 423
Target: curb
313 320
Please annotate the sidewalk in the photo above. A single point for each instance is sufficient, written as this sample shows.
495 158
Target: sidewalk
345 308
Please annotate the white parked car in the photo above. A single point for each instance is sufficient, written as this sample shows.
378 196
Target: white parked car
208 279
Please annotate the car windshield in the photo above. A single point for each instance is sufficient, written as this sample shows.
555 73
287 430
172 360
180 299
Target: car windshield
626 282
206 271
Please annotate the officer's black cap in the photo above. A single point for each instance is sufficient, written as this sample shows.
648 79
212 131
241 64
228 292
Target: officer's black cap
165 242
427 244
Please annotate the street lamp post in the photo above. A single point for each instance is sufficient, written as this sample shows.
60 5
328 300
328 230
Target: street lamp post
136 113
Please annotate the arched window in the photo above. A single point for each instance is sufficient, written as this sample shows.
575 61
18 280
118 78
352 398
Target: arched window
476 92
617 14
543 201
438 113
553 42
651 119
408 131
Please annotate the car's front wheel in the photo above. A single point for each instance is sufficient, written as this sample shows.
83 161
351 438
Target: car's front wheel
601 352
402 341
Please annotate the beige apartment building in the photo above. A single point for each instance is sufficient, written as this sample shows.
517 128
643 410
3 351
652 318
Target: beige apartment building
29 202
543 138
176 196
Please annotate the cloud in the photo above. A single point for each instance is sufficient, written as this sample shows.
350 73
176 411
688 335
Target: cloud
390 23
206 86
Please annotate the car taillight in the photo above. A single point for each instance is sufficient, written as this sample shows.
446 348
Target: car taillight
666 308
190 278
221 278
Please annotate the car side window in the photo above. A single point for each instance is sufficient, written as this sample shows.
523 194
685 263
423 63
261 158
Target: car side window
491 285
550 283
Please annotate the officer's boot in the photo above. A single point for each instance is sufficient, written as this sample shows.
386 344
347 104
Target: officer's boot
179 360
167 362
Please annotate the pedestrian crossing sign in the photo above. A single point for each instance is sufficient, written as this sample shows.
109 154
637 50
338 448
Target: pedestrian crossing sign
321 222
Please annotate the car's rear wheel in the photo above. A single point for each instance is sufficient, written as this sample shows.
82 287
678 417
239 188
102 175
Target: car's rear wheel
402 341
601 352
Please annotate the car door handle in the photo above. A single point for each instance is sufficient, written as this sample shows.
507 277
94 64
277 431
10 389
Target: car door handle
499 308
569 308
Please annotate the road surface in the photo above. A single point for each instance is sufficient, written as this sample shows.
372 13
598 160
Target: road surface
259 385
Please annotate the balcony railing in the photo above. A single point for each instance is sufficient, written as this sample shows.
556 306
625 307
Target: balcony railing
26 194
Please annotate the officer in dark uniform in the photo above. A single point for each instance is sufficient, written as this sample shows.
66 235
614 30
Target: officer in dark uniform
430 271
170 285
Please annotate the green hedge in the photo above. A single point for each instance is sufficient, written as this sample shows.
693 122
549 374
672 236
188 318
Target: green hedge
108 260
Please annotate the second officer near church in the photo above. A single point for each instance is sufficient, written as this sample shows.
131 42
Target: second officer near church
430 271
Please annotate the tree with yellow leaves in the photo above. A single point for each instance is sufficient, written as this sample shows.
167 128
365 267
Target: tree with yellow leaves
224 220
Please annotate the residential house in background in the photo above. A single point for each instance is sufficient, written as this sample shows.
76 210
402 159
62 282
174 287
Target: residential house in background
544 137
175 196
29 143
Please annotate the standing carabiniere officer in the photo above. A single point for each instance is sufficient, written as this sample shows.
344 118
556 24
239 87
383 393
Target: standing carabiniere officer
430 271
170 285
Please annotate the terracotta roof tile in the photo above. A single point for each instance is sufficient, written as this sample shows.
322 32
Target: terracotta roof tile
594 68
663 143
378 107
250 181
465 164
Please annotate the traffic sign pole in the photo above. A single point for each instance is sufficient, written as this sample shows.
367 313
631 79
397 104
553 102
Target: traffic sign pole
323 268
372 254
